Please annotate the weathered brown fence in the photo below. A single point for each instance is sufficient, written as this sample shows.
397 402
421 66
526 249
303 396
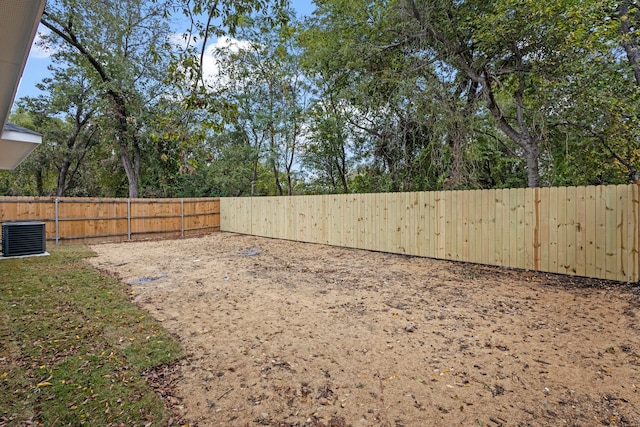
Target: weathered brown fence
90 220
586 231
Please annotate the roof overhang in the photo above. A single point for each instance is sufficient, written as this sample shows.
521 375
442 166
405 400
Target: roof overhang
16 143
18 24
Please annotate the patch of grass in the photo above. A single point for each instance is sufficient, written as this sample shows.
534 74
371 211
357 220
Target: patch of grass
73 347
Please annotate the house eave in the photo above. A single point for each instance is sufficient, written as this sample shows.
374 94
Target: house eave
15 146
18 25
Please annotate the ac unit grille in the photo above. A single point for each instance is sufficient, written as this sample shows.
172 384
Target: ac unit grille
23 238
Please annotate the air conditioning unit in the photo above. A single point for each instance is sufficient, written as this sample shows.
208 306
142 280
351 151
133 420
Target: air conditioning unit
23 238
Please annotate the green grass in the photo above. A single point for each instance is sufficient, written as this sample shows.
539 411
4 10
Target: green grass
73 347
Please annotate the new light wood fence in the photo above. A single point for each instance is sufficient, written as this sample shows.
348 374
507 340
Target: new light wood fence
91 220
585 231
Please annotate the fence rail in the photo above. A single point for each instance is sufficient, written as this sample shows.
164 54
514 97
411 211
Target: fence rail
90 220
586 231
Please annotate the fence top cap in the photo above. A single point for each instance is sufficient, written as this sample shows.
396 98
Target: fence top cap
23 223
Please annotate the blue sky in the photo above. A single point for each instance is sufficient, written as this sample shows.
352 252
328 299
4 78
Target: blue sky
38 61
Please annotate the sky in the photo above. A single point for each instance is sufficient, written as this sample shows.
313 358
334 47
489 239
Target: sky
36 68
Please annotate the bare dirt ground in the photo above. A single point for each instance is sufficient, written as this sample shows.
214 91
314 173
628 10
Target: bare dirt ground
289 334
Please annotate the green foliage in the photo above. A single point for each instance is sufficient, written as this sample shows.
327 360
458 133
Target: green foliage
536 73
74 348
109 43
264 82
35 176
393 95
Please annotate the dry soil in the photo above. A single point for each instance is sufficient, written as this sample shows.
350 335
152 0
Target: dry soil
282 333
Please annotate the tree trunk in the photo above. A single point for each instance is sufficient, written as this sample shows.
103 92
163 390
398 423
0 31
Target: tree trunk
343 175
276 176
62 176
129 146
289 184
532 155
630 41
455 176
523 137
254 178
131 168
272 149
39 181
289 165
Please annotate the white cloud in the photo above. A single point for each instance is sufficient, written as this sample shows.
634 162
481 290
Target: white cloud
234 45
211 61
213 54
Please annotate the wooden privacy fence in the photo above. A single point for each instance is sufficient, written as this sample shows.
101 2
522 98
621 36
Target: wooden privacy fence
586 231
74 219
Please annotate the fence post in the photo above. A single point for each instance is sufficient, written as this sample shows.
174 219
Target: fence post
536 231
128 219
57 229
182 217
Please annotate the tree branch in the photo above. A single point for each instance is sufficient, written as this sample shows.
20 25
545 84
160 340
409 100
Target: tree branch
205 37
634 173
71 38
501 120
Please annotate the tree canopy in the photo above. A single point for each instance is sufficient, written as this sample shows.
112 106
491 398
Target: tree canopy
242 97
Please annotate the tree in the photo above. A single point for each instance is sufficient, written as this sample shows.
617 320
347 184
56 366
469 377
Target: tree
263 81
628 14
398 105
445 76
34 176
67 94
504 48
593 112
120 45
327 152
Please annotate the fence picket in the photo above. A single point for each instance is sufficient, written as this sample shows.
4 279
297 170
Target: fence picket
529 228
561 232
570 221
520 228
513 227
499 219
622 211
580 231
